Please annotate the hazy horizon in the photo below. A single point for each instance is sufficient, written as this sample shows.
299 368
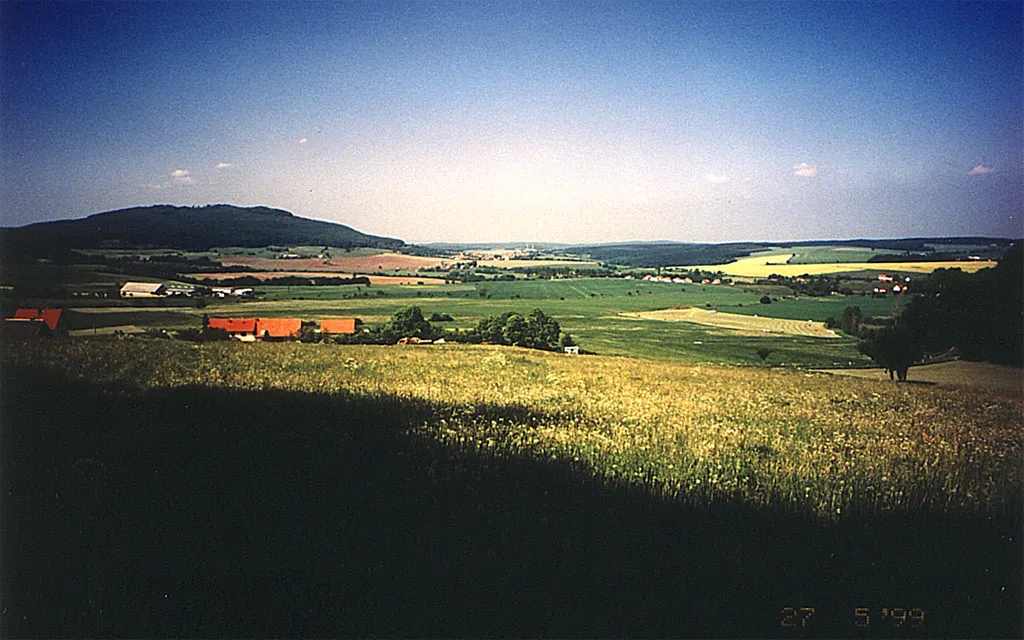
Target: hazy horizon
504 122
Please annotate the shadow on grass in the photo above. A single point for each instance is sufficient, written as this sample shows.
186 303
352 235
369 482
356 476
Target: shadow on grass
211 512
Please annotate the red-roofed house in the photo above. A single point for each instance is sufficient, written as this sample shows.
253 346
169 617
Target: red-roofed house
280 328
36 322
51 317
237 328
250 329
337 325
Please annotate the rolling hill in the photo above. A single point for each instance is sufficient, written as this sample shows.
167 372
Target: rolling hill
187 228
669 254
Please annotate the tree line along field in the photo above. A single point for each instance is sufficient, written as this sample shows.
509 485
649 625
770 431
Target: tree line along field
306 489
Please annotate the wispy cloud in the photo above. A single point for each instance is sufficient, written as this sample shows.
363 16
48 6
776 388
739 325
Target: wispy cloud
980 170
176 178
715 179
224 165
804 170
303 140
181 176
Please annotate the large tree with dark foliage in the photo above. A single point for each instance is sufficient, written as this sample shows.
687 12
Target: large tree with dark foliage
410 323
535 330
980 314
893 348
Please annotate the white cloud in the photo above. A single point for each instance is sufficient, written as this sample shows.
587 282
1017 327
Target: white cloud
224 165
303 140
713 179
980 170
181 176
804 170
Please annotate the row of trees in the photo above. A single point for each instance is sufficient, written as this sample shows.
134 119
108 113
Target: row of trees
535 330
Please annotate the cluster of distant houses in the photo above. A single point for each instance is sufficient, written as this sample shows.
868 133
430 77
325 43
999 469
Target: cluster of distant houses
160 290
891 284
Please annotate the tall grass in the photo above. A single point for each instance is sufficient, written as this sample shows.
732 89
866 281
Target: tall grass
165 489
801 442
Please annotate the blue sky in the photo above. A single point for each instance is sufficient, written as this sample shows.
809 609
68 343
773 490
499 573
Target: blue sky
500 121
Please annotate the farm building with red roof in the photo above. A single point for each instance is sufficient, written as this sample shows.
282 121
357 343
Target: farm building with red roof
50 317
234 326
31 323
337 325
280 328
253 328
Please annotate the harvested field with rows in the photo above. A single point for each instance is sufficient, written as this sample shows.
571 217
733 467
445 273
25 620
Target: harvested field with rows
379 262
743 323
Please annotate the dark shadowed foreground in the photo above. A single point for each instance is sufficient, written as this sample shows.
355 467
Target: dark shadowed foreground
207 512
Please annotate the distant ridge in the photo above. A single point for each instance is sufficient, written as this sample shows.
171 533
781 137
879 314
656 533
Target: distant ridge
187 228
665 254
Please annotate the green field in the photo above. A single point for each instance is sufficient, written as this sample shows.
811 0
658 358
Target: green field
826 254
225 489
588 308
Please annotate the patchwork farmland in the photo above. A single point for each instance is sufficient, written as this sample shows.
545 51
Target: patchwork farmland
762 265
690 460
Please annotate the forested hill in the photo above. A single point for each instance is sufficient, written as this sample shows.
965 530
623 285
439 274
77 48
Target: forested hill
189 228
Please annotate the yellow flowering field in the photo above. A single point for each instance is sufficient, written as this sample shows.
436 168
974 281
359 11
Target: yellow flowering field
761 266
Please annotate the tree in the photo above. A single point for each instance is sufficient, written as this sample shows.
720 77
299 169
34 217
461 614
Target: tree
516 331
536 330
409 322
543 330
894 348
849 322
763 353
980 314
766 300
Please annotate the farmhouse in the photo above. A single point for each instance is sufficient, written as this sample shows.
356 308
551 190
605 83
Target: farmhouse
30 322
330 326
278 328
250 329
143 290
236 327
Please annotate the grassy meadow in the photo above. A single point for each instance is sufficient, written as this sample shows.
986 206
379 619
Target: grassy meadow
167 489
